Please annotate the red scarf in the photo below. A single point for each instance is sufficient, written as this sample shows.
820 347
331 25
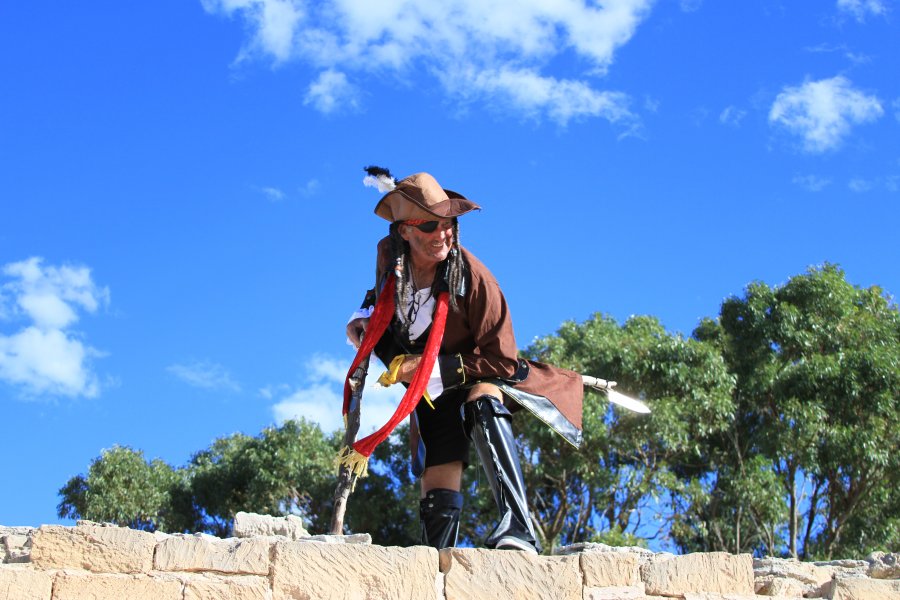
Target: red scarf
356 457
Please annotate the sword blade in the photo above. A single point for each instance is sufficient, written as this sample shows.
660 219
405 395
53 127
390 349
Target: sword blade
626 402
615 397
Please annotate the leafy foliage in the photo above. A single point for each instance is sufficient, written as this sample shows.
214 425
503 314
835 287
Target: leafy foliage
817 363
122 487
284 470
628 462
774 431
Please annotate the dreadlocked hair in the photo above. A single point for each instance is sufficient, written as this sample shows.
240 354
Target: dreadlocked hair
455 268
401 264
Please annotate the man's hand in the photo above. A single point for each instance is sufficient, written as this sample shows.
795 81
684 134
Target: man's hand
402 368
408 368
355 330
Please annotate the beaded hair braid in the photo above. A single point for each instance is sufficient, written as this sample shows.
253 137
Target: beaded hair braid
401 261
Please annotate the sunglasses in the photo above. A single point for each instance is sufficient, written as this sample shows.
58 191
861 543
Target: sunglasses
424 226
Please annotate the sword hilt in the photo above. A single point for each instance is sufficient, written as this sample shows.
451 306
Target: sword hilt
598 383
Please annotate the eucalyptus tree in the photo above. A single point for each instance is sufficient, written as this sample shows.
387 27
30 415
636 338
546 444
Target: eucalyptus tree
283 470
124 488
817 363
632 469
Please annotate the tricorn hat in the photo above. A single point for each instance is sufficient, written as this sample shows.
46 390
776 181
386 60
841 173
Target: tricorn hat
420 196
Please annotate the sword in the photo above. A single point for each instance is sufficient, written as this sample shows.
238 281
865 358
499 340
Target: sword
614 396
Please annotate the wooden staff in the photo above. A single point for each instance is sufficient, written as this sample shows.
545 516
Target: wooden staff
346 478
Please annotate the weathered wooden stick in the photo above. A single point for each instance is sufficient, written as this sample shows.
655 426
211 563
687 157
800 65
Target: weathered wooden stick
346 478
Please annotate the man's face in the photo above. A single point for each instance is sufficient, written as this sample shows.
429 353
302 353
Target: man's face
428 249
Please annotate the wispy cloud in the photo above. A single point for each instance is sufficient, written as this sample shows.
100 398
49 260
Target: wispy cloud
273 194
822 112
205 374
812 183
320 397
331 93
273 24
732 116
534 95
860 9
46 356
501 48
310 188
856 58
860 185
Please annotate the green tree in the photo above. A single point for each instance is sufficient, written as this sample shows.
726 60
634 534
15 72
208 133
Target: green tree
122 487
817 363
630 466
284 470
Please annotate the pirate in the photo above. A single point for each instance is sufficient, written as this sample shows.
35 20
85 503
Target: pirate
437 317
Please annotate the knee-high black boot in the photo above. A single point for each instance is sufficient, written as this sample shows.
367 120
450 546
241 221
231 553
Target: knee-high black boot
489 425
439 513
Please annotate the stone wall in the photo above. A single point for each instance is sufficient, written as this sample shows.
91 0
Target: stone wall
97 562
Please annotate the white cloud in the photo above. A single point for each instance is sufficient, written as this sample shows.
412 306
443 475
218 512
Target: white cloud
273 23
860 8
205 374
321 398
690 5
812 183
273 194
332 92
534 95
311 188
822 112
732 116
860 185
354 41
46 356
651 104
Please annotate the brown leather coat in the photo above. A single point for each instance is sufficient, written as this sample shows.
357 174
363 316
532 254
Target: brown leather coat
479 343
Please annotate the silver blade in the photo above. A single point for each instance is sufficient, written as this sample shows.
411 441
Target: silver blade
626 402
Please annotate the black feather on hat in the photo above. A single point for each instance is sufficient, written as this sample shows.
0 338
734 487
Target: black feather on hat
380 178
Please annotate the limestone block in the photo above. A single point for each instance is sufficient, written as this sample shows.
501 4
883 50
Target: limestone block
585 547
19 582
884 566
97 548
715 596
718 572
786 588
862 588
201 552
606 569
252 525
353 538
219 587
859 588
79 585
790 577
479 573
15 548
840 569
631 592
307 571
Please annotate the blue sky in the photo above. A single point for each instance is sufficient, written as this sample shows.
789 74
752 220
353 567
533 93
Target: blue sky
184 229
